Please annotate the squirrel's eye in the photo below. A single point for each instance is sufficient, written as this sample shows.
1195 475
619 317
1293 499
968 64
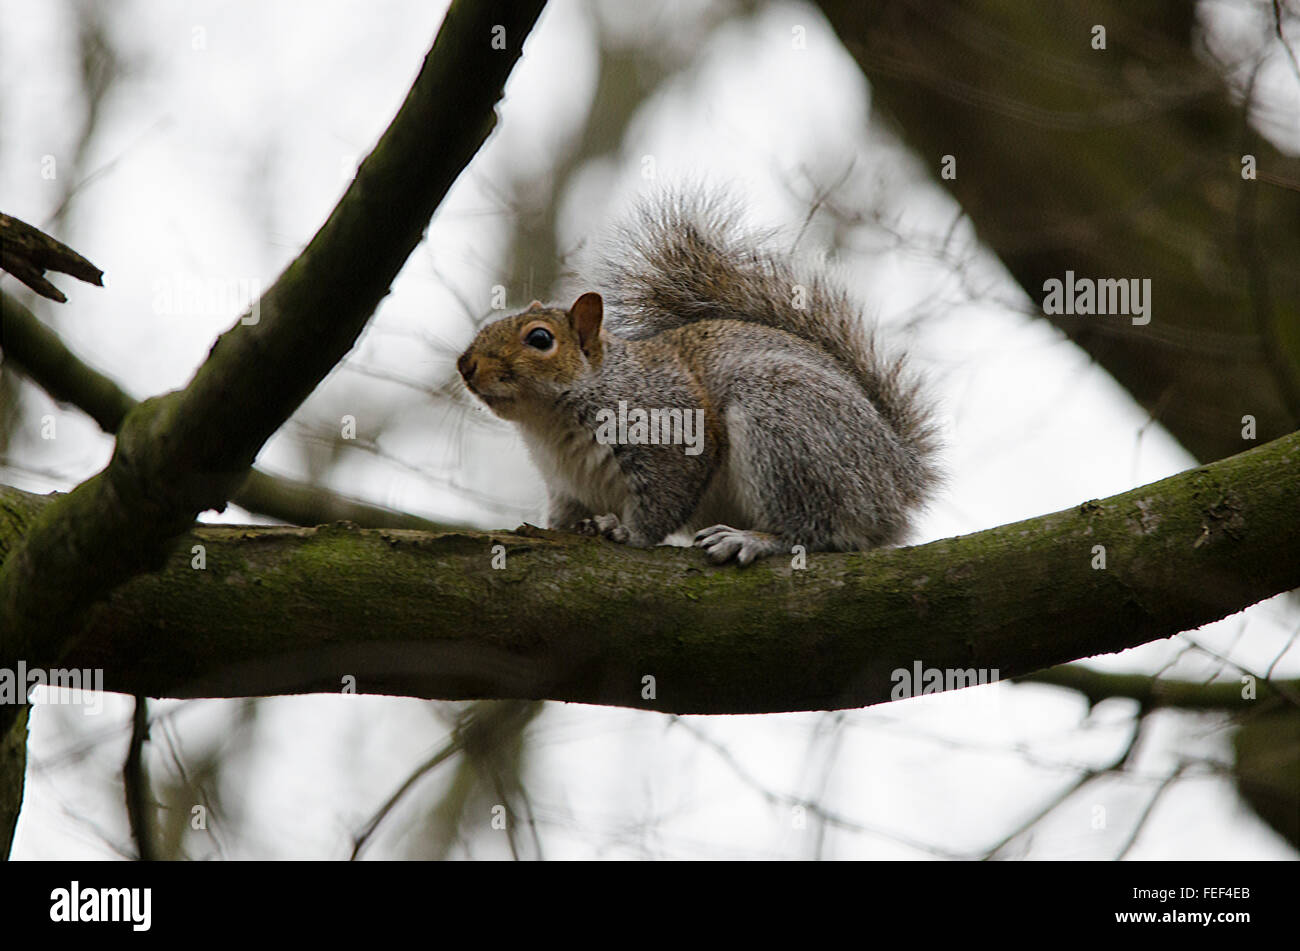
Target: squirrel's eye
540 337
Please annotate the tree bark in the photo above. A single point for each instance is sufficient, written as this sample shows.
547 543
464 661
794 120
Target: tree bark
292 610
27 253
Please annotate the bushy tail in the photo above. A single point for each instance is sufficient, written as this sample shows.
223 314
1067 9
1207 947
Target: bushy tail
687 257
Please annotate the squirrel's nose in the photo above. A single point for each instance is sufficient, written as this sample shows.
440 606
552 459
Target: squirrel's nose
466 365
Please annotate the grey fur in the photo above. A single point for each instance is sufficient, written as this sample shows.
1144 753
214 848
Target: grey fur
814 437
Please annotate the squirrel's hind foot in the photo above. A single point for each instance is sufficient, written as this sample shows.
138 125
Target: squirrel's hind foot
604 526
722 542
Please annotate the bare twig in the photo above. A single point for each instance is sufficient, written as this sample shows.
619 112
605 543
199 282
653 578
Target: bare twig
1086 777
27 253
135 779
1167 782
483 725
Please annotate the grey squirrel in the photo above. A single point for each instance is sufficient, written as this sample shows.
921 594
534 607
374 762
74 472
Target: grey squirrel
806 434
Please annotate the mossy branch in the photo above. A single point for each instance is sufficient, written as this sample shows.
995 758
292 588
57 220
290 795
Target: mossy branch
544 615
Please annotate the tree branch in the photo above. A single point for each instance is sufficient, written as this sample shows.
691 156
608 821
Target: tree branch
27 253
188 451
291 610
1152 692
135 782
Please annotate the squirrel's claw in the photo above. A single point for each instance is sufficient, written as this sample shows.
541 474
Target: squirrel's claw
722 542
604 526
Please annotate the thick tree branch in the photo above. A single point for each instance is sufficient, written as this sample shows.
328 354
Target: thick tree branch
186 452
287 610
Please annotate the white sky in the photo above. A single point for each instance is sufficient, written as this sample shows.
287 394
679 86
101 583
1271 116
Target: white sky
219 162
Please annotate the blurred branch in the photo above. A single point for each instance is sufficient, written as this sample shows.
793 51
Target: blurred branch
1083 779
1266 742
135 781
1267 769
813 806
477 734
101 63
1165 785
446 752
1111 157
30 346
1152 692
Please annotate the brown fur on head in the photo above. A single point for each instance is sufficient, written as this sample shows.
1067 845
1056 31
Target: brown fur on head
510 370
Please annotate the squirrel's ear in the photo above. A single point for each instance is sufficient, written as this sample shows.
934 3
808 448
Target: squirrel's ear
586 314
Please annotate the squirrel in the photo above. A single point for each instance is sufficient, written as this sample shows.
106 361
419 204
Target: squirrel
762 416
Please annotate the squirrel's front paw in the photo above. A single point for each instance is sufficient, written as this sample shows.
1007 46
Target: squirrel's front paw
722 542
604 526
